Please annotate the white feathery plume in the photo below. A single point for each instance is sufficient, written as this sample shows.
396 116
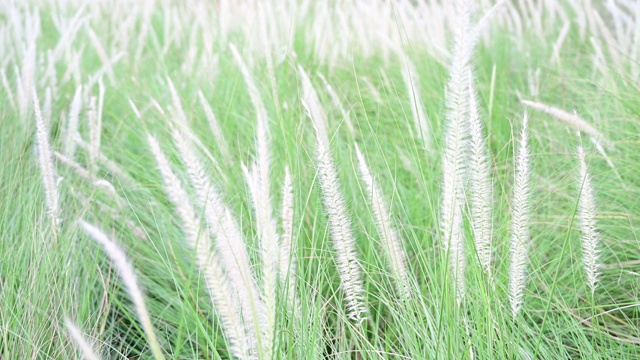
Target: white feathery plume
72 124
287 260
455 153
177 109
266 225
216 130
520 215
411 80
480 184
46 107
81 342
568 118
229 242
339 224
47 168
128 276
587 216
390 240
287 263
226 302
94 136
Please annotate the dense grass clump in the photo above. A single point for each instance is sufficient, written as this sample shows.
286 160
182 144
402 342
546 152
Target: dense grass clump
316 180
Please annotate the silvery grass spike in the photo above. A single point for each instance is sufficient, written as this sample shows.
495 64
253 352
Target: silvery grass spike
260 188
454 162
520 217
236 323
222 227
72 123
47 168
81 342
287 250
480 184
128 277
391 242
342 237
587 212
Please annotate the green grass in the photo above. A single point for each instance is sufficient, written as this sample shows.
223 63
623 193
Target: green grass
44 278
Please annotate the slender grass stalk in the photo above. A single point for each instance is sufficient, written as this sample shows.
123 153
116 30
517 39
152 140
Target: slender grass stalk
226 302
47 168
421 123
587 212
520 216
344 243
214 125
128 276
81 342
391 242
481 187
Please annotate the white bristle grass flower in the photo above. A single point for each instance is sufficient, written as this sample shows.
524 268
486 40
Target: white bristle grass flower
260 193
223 228
128 276
571 119
87 351
72 123
287 259
227 303
480 184
391 242
47 168
520 217
340 230
587 212
455 157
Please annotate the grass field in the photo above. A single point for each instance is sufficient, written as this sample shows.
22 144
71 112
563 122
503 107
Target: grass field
302 180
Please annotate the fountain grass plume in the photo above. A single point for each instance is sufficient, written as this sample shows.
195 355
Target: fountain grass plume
520 216
342 237
391 242
127 274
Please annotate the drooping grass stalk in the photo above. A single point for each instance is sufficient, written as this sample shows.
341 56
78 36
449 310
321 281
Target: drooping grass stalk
228 304
81 342
454 162
342 237
45 160
260 192
481 188
520 215
587 216
568 118
391 242
127 274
